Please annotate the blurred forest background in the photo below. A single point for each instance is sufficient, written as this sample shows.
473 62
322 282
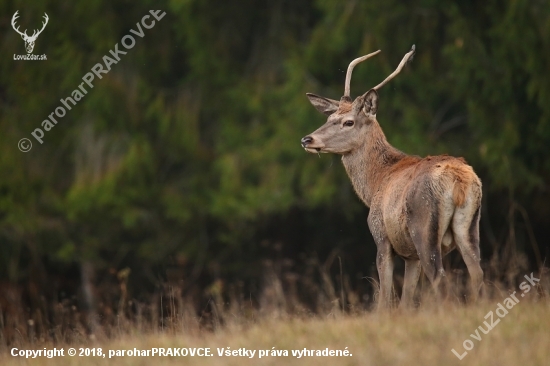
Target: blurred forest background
181 173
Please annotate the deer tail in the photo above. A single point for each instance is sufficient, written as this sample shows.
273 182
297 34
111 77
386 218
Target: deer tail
459 191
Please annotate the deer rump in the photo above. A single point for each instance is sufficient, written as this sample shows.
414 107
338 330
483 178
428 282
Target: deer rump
425 203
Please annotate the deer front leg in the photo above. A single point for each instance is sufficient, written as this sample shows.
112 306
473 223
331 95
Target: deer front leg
384 265
384 257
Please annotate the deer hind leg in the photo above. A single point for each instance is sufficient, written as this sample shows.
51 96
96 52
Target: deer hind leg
412 273
466 235
427 225
429 251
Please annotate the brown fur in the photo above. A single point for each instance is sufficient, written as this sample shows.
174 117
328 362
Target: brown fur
344 108
420 208
463 177
456 168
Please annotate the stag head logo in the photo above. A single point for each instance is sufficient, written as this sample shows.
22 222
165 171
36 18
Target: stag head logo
29 40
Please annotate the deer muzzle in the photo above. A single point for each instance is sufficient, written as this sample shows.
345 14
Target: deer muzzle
311 145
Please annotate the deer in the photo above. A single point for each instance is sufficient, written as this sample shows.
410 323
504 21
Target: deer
29 40
420 209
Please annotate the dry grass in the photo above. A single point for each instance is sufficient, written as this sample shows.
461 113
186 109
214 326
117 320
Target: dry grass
421 337
424 336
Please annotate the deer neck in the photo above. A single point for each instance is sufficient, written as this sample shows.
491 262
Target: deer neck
369 164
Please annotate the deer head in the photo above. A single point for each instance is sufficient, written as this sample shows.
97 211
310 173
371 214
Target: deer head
29 40
349 122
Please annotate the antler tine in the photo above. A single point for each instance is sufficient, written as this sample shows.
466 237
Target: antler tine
350 70
408 57
13 19
44 23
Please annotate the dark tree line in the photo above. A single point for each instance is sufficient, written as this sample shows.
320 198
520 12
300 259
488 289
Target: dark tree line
182 165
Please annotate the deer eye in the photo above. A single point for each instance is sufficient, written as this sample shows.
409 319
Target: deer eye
348 123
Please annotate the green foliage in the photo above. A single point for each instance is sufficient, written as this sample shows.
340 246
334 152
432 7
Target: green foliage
196 130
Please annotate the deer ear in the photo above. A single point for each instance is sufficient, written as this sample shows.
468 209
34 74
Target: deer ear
324 105
370 102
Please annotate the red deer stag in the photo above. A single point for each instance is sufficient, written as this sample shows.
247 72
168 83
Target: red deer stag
420 208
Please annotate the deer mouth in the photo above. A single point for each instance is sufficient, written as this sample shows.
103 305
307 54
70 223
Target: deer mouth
314 150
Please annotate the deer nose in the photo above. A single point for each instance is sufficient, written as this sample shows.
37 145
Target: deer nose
307 140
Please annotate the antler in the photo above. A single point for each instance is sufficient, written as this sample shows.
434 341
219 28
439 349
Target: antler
43 25
350 70
15 16
408 57
35 32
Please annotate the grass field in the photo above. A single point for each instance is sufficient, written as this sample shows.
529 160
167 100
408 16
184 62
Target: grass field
421 337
